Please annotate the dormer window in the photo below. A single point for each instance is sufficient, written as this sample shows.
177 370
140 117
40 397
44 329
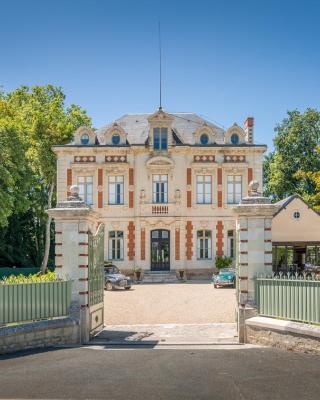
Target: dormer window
204 138
115 139
160 138
85 138
234 138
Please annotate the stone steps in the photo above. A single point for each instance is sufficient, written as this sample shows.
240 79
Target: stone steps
160 277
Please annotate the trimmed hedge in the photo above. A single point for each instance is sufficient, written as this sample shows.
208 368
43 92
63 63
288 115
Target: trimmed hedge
18 271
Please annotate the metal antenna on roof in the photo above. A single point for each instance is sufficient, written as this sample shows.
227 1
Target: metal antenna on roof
160 67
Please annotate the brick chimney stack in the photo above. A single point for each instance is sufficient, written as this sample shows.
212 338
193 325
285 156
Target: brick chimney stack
248 128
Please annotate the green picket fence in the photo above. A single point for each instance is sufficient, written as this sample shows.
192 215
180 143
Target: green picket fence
294 298
33 301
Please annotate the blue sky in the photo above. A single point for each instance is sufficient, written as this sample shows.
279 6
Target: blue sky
225 60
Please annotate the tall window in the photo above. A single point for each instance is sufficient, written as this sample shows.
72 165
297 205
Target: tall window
160 188
115 189
160 138
234 189
204 189
115 245
231 252
85 184
204 245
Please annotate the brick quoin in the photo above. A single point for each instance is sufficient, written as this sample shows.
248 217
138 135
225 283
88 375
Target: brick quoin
69 180
100 184
219 238
177 244
219 180
189 192
189 239
143 244
131 183
131 241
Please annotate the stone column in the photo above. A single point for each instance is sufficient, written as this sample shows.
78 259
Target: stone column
254 248
74 219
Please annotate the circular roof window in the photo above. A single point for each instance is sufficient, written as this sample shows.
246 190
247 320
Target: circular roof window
234 138
204 138
115 139
85 138
296 215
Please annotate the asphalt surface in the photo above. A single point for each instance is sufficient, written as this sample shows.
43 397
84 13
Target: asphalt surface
156 374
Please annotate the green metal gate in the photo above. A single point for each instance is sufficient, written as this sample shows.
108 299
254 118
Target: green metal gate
96 280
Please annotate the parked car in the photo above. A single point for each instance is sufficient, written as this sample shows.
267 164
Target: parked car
114 279
226 277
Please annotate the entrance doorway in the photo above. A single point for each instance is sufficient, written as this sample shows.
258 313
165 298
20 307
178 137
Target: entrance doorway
160 250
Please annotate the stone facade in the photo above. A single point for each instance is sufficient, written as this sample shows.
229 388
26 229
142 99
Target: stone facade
117 167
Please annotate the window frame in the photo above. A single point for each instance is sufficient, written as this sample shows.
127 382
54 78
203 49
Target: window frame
203 184
160 138
160 189
116 246
83 188
204 244
115 192
234 193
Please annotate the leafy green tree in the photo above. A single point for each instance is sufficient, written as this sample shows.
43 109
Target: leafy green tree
288 170
41 119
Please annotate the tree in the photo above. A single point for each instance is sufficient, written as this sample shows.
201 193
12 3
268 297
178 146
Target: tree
290 168
41 118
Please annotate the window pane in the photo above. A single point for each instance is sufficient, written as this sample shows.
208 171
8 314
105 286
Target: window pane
156 138
164 138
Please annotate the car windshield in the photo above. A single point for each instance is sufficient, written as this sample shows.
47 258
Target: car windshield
112 270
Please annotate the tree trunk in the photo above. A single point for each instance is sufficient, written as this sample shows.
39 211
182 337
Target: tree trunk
44 263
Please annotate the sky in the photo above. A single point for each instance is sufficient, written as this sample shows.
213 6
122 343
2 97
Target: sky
224 60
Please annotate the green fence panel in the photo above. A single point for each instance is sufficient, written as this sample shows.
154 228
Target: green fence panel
295 298
33 301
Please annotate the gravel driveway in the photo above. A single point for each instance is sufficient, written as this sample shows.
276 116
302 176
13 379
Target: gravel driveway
194 302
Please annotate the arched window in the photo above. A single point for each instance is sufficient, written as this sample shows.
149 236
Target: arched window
234 138
85 138
115 245
204 138
204 245
115 139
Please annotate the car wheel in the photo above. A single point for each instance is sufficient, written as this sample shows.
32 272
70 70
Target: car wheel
108 286
127 288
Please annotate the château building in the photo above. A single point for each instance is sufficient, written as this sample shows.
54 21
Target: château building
164 185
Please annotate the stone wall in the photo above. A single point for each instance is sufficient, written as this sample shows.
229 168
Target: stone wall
39 335
285 335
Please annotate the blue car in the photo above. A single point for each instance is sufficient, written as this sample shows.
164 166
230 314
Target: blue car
114 279
225 278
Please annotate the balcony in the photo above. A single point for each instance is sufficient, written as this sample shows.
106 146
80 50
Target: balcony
160 209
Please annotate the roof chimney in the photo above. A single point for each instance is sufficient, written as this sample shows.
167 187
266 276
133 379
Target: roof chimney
248 128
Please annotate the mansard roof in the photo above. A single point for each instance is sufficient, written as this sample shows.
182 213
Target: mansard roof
184 125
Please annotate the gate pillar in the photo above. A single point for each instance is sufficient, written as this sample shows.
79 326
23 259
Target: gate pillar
74 220
253 248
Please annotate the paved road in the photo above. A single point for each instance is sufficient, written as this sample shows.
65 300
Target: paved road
169 334
194 302
95 373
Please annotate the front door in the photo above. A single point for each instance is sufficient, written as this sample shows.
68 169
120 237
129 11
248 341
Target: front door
160 250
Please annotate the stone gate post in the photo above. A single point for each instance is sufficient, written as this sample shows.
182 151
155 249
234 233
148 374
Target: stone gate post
254 249
74 219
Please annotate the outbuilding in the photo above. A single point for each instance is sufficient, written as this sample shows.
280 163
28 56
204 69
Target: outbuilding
295 236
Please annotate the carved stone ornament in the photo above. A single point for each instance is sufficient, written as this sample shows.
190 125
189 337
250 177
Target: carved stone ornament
142 196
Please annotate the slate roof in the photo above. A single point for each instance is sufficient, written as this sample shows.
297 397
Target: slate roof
284 202
185 124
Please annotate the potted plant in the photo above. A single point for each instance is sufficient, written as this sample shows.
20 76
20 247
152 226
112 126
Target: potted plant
223 262
181 273
137 273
